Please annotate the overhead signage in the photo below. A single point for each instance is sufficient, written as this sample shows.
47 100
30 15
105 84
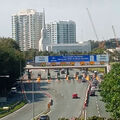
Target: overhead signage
103 58
92 59
41 59
77 58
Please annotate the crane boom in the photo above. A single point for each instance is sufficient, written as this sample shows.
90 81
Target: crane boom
93 26
117 43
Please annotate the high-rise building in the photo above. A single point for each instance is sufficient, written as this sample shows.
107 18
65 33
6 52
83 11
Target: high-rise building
26 28
62 32
48 28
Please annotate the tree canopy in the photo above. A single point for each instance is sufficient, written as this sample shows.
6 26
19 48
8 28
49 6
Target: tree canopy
11 59
110 91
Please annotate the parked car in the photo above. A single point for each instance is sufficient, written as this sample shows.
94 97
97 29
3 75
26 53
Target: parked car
44 117
75 95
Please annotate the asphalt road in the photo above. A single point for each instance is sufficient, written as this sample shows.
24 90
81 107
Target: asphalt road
64 105
96 107
40 104
61 92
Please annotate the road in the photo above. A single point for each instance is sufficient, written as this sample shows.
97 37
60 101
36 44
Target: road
96 107
61 92
64 105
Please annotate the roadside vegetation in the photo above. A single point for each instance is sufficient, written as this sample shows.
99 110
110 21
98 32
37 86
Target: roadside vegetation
110 91
11 108
101 70
90 118
12 63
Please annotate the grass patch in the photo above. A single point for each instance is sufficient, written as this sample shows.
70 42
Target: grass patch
12 108
102 70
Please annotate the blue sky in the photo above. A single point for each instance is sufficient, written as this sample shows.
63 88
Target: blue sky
105 13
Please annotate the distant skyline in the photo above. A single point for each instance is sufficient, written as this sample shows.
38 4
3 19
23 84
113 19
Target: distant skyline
105 13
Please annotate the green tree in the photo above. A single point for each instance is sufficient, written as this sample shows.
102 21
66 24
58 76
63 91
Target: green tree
11 62
111 90
98 51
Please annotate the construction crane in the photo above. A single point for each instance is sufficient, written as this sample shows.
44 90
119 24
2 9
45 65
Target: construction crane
93 26
101 44
117 43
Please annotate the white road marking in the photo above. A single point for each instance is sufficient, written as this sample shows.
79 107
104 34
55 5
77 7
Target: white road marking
98 110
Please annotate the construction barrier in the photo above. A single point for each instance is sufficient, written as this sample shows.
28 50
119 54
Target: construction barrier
87 97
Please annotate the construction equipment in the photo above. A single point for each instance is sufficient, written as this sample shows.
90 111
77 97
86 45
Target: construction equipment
102 44
116 39
93 26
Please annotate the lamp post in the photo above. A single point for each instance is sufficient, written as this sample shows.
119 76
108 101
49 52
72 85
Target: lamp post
33 98
33 90
21 80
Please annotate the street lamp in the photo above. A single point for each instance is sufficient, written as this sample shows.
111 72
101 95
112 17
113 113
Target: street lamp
33 98
33 89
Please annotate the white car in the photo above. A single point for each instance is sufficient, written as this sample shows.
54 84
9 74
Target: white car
13 90
93 88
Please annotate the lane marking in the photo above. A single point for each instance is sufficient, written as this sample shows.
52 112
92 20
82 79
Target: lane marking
38 115
98 109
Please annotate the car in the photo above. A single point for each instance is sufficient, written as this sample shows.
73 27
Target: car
44 117
56 70
51 102
92 93
83 79
62 71
75 95
93 88
77 73
13 89
94 83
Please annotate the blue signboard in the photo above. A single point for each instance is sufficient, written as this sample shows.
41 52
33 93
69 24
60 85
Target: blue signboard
77 58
